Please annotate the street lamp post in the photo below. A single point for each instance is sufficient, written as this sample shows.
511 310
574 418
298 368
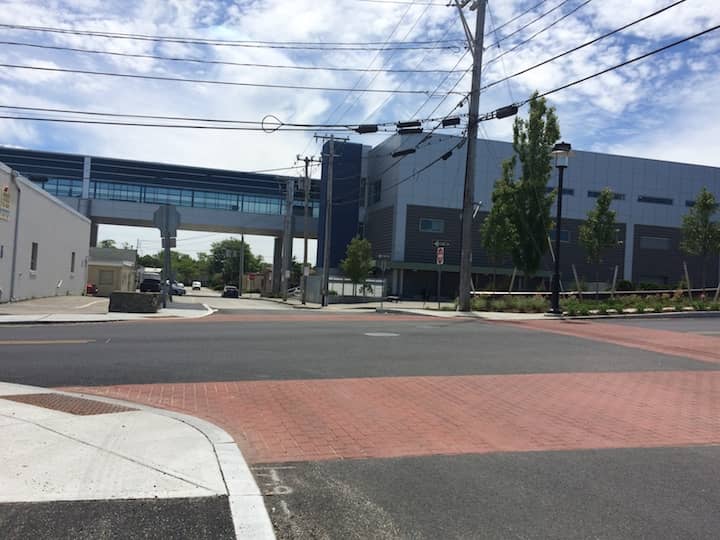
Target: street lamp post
561 151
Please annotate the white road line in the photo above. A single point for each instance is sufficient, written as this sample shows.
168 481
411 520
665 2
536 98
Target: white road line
381 334
88 305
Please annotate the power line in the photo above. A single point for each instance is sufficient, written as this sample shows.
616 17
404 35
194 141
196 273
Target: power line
536 34
516 17
210 81
582 46
324 46
218 62
541 16
627 62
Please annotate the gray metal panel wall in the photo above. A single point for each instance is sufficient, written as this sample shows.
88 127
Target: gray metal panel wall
666 266
379 230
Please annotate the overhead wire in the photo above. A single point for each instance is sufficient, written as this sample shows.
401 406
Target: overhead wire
530 23
207 81
216 62
323 46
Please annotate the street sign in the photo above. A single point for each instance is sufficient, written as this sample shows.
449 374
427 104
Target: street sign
167 219
441 243
382 262
440 255
251 277
172 242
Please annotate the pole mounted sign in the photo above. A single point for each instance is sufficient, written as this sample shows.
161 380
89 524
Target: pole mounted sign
167 219
440 256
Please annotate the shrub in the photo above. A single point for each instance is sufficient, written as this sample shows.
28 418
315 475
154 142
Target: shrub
624 285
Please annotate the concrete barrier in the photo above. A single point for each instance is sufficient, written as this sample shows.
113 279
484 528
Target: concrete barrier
134 302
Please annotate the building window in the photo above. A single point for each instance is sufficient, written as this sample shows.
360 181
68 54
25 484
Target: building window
616 196
655 200
689 204
376 191
654 242
566 191
33 256
432 225
564 235
2 251
106 277
72 262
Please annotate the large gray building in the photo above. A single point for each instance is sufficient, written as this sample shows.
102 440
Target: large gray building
43 242
415 199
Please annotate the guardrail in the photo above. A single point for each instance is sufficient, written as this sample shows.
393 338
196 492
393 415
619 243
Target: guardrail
654 292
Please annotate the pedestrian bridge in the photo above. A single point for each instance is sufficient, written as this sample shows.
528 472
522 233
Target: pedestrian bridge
124 192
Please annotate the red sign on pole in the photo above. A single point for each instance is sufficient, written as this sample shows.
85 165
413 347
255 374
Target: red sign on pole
440 256
251 277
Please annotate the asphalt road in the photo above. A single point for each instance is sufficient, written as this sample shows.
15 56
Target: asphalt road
611 493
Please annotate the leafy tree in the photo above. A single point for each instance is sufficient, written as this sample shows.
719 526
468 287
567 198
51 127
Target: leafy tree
358 263
700 234
497 231
109 243
224 269
150 261
533 140
597 233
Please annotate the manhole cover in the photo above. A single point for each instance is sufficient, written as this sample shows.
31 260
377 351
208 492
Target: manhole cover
68 404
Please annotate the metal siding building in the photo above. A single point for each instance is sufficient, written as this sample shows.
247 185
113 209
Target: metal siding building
414 206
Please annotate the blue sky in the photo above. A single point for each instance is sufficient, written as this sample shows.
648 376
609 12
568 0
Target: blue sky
664 107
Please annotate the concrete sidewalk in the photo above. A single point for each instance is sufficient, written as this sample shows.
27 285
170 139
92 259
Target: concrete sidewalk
60 450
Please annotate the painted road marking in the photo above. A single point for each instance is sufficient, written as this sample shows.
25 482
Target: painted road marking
47 342
88 304
381 334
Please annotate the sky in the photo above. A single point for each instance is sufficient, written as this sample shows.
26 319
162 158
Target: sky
663 107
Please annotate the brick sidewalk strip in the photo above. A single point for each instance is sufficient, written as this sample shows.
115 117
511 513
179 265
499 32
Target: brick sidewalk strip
688 345
283 421
299 318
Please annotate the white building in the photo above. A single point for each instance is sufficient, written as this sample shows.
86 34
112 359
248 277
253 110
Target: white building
43 243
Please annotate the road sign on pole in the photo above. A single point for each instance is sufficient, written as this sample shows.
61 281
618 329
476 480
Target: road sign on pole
440 255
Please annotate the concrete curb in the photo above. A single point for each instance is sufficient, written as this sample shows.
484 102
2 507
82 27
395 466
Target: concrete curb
665 315
57 318
249 515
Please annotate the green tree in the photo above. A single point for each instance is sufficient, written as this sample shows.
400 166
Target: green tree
497 231
533 140
700 234
109 243
150 261
597 233
224 267
358 263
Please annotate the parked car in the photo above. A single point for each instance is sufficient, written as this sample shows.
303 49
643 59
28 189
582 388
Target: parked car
91 289
230 291
196 285
178 289
150 284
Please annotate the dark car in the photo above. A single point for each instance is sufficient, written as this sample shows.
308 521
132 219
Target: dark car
230 291
91 289
150 285
178 289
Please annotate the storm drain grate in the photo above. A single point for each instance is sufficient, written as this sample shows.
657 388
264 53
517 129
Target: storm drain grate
68 404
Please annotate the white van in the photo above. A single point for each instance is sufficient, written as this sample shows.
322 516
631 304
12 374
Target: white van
196 285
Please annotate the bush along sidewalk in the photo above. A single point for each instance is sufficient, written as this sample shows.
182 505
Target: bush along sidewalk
585 307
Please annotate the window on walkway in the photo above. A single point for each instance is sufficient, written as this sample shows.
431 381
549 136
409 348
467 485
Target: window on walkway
432 225
654 242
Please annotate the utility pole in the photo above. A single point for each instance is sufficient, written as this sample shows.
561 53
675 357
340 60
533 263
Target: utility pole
306 224
476 48
328 221
241 277
287 237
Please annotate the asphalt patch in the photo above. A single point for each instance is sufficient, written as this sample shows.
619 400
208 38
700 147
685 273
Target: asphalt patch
191 518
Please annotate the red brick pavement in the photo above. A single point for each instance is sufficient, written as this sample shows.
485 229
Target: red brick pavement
687 344
299 317
281 421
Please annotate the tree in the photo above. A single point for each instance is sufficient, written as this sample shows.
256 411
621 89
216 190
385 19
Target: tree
224 269
150 261
109 243
533 140
597 233
358 263
497 231
700 234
